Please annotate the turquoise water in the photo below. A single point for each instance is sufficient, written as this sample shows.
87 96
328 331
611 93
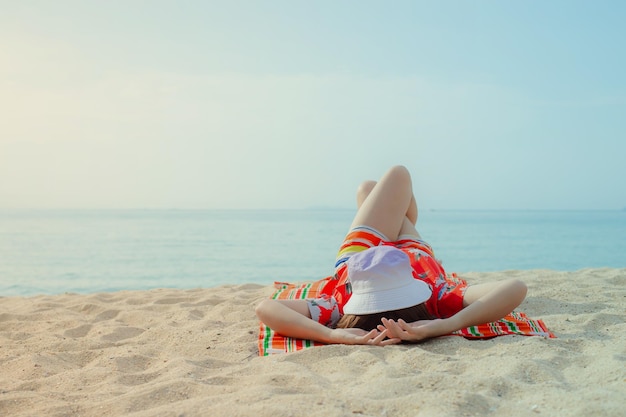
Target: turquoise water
53 252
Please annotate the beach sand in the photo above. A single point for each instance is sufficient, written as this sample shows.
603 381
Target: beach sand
171 352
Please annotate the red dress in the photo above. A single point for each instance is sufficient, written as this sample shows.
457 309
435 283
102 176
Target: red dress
447 289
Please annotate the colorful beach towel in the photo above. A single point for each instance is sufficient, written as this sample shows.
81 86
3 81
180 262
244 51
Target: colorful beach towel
270 342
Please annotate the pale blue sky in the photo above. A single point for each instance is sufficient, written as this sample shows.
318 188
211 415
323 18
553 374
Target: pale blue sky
290 104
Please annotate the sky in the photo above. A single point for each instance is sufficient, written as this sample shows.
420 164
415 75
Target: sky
291 104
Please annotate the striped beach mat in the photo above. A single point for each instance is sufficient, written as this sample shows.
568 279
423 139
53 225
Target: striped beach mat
270 342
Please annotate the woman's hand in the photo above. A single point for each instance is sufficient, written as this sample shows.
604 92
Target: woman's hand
354 336
416 331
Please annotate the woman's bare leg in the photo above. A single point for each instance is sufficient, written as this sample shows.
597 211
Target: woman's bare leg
365 188
408 229
384 205
408 224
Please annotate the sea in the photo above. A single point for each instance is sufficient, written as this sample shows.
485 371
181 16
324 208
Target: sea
88 251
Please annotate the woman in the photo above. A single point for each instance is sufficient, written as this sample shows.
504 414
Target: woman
381 248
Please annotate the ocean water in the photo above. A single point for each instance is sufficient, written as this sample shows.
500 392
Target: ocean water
51 252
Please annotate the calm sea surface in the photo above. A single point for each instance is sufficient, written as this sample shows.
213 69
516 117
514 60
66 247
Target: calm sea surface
53 252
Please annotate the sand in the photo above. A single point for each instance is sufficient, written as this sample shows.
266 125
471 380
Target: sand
171 352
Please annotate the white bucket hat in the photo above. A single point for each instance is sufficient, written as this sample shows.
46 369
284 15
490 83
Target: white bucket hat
382 280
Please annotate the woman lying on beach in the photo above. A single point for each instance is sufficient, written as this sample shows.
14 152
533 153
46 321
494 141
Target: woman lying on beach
390 288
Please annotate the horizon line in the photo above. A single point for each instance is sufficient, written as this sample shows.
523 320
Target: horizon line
310 208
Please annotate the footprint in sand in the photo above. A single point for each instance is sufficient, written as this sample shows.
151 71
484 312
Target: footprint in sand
196 315
106 315
172 300
80 331
122 333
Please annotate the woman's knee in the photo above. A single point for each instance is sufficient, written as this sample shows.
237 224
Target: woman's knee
364 189
399 174
520 288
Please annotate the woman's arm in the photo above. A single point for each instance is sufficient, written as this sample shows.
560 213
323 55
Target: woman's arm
292 318
483 303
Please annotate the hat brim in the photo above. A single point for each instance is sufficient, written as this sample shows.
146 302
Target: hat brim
413 293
